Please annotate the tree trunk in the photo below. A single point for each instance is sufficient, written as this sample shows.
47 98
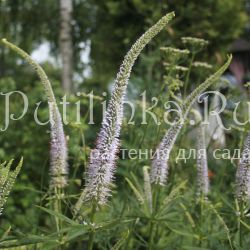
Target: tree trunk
65 43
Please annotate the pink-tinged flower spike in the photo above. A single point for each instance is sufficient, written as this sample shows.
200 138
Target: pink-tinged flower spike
243 173
58 150
202 168
159 167
102 159
58 153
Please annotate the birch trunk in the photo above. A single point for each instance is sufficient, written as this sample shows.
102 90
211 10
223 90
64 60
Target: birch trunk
65 43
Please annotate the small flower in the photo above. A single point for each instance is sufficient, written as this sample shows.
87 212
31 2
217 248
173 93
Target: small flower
174 84
211 174
194 41
174 55
203 65
175 67
175 51
194 44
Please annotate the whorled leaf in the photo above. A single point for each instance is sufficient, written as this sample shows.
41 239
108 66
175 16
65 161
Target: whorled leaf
7 180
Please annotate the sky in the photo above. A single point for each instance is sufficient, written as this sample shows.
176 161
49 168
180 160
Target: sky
42 54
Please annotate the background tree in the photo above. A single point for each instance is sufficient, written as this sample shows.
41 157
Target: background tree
65 43
208 20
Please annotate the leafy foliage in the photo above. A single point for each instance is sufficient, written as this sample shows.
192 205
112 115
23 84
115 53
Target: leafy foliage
7 180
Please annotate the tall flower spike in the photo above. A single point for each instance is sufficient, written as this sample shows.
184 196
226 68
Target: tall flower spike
243 173
202 168
58 152
159 168
102 159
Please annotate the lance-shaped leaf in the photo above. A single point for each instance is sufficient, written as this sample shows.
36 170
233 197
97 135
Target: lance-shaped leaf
7 180
147 188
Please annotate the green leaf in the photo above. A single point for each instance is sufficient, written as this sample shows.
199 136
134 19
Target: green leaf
137 193
58 215
5 234
7 181
245 224
24 241
120 242
184 233
195 248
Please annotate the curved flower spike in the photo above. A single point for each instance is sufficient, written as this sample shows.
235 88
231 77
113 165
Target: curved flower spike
243 173
202 168
102 159
58 152
159 169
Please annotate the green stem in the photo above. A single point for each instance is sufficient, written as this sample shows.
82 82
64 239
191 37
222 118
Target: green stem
239 223
57 207
128 245
188 74
156 192
92 233
151 235
201 220
58 210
